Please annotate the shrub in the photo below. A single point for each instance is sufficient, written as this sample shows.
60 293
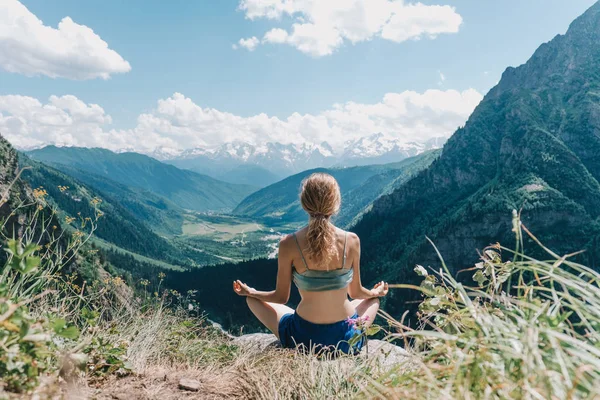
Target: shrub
29 334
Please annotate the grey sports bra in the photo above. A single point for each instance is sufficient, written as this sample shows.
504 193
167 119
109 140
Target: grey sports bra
319 281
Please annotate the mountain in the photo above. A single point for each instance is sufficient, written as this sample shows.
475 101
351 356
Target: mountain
155 211
532 144
271 162
360 186
118 225
253 175
382 149
186 189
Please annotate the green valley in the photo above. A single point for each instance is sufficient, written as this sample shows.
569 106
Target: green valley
360 186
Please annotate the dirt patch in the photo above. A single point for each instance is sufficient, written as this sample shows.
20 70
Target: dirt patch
159 384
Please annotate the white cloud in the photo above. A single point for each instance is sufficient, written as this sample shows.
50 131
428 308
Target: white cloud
276 35
414 21
178 123
66 120
249 44
320 26
72 51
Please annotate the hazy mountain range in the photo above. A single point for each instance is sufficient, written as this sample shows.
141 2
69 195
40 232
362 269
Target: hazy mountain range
186 189
274 161
359 185
146 202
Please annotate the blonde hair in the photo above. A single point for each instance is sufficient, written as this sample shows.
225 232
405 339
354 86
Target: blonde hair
320 198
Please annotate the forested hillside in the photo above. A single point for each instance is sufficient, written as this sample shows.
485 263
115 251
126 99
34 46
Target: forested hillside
186 189
360 186
117 225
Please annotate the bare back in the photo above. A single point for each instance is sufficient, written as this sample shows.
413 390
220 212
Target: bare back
325 306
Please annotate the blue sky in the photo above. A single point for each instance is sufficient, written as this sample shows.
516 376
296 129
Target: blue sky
186 47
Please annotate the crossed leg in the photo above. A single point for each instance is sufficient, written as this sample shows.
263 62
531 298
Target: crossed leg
268 313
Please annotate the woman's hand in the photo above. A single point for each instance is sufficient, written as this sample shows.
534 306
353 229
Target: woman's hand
380 289
241 289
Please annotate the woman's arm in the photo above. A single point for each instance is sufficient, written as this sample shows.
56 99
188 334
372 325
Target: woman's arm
356 290
281 294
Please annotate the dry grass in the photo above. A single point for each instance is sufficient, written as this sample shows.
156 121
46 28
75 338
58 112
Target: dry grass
272 375
165 345
165 349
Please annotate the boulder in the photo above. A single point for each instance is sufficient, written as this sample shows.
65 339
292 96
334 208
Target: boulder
257 341
378 352
384 353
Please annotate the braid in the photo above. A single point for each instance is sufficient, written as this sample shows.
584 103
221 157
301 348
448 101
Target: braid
320 198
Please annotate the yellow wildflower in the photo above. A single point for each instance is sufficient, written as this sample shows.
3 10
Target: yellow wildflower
39 193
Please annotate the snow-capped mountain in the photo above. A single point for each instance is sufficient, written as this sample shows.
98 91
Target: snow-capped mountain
280 159
164 153
381 149
277 160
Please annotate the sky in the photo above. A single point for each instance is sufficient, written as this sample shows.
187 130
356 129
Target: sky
147 74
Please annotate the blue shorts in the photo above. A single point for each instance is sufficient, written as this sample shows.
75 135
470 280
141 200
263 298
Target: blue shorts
296 332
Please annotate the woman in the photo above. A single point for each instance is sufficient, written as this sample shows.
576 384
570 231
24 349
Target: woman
324 263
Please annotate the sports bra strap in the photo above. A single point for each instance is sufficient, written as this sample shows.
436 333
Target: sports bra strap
300 250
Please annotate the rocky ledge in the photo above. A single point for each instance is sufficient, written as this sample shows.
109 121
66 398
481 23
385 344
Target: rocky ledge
382 353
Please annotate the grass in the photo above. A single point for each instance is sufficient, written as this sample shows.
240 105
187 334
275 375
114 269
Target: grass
530 330
225 238
219 227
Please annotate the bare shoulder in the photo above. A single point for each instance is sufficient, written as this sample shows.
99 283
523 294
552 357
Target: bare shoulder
353 240
286 241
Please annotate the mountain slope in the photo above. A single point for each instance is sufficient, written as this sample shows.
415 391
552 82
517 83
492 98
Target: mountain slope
533 143
117 225
156 212
186 189
18 201
360 186
358 201
253 175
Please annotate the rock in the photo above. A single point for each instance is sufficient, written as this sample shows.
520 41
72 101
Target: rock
191 385
384 353
257 341
380 352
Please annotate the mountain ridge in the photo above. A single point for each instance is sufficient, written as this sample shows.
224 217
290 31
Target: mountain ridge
284 160
360 186
186 189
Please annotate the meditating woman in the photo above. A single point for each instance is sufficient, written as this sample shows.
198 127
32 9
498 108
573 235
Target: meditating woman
324 263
